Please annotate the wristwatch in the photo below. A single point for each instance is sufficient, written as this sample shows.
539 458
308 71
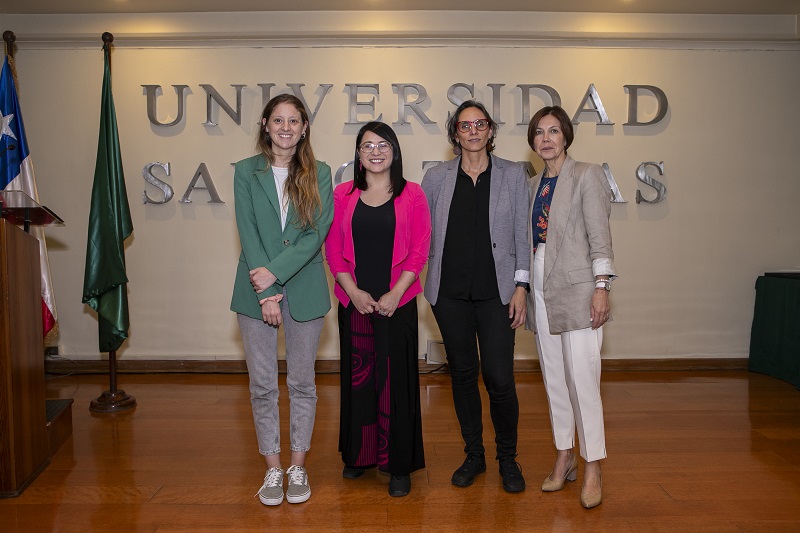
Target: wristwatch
526 286
602 284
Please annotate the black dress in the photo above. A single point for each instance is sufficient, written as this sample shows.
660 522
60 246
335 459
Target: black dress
380 419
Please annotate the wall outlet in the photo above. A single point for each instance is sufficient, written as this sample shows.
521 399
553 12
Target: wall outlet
436 354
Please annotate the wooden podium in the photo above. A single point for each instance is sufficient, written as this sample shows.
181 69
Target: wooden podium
23 425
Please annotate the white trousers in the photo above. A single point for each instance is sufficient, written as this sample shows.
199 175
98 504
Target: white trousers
570 365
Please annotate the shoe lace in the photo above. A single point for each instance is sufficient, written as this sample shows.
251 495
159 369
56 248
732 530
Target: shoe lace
273 477
512 468
296 475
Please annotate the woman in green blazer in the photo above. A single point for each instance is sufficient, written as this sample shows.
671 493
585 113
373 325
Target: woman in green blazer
284 210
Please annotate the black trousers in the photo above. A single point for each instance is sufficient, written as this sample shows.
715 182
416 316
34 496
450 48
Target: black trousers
461 323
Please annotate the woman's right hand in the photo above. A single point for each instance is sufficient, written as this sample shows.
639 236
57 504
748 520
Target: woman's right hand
271 313
362 301
262 279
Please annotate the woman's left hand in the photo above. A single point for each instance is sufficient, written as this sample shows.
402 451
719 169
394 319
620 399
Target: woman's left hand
600 309
387 304
262 279
516 307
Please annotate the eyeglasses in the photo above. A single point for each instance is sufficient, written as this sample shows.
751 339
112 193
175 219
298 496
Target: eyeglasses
368 147
481 124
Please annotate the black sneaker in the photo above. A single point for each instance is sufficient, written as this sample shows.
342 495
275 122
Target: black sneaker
352 472
467 472
399 486
511 473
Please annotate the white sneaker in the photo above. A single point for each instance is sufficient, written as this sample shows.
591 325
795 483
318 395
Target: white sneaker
271 492
298 490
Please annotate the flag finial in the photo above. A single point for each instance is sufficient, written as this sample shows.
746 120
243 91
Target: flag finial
9 38
108 37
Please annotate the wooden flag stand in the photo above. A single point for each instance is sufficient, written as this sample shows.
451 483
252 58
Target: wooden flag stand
113 400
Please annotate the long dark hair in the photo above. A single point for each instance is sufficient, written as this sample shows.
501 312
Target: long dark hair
301 185
452 125
396 179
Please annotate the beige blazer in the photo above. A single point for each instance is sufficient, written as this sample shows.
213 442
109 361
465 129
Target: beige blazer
578 245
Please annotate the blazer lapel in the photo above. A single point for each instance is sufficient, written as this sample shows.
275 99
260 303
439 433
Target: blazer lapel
562 203
495 185
446 194
267 182
348 251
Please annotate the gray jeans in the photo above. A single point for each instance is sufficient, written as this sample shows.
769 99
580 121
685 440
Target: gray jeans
261 350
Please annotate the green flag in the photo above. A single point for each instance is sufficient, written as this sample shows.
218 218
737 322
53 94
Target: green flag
104 282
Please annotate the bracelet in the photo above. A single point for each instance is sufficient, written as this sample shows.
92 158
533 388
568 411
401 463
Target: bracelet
275 298
602 284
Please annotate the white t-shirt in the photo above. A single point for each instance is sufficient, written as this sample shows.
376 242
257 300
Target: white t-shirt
281 173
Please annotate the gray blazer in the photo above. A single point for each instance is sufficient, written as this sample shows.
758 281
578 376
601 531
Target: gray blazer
578 245
508 216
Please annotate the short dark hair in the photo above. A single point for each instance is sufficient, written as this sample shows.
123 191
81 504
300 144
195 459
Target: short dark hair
452 125
384 131
561 116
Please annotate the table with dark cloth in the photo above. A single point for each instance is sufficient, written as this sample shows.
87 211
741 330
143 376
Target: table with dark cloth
775 336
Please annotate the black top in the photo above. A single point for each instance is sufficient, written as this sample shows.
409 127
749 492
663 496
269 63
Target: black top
468 271
373 241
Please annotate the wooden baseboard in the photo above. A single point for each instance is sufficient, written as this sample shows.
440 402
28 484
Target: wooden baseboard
158 366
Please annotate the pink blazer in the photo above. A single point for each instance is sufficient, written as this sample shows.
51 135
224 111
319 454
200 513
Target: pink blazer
412 237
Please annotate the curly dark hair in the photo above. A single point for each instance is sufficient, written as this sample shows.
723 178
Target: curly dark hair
452 122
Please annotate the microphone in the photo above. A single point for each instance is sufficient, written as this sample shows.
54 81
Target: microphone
8 149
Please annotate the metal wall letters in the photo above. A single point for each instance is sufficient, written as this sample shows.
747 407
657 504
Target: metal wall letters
412 101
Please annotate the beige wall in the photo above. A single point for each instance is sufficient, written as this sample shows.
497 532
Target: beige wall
687 265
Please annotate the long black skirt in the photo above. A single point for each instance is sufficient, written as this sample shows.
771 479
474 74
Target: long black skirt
380 423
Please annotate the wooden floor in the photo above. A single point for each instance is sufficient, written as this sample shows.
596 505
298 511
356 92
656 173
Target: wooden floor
689 452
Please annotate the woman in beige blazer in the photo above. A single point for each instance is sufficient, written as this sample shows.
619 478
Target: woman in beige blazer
572 266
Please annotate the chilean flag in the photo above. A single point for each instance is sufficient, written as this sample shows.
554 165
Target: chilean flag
16 173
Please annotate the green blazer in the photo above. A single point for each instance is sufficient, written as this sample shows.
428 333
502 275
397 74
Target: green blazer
292 255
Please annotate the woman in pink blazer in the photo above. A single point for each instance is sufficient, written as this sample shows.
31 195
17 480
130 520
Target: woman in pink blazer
376 249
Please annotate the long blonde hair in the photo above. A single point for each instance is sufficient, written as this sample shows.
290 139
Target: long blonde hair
301 185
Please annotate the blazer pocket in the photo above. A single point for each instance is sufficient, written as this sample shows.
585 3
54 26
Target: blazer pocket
581 275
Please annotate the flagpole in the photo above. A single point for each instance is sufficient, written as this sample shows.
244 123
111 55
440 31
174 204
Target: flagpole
113 400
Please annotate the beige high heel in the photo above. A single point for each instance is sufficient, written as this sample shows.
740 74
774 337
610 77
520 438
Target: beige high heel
594 498
572 474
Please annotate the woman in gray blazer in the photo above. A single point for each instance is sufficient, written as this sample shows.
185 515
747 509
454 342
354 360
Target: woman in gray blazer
572 265
477 279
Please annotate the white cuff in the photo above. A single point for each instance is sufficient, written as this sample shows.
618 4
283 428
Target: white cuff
522 276
604 267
